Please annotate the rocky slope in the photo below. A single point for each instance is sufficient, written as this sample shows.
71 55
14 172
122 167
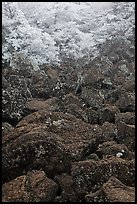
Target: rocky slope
69 134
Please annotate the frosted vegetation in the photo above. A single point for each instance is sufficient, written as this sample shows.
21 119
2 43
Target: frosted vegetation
54 32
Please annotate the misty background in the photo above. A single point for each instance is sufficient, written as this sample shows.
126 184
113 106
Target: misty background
53 32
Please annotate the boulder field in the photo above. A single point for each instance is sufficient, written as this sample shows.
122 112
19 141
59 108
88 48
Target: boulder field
68 134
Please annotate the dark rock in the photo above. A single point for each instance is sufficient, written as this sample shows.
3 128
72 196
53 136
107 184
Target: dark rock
126 102
72 99
127 117
42 85
123 68
13 104
66 83
91 116
126 135
73 133
51 72
129 86
6 128
75 110
74 105
92 77
52 82
116 191
51 104
15 93
119 47
109 131
112 191
102 64
89 175
48 141
107 84
5 83
122 72
113 57
67 193
78 90
93 156
32 187
33 147
97 196
108 114
22 65
111 148
106 62
92 98
112 96
92 146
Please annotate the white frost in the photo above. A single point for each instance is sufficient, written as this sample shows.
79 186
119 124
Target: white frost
119 154
48 32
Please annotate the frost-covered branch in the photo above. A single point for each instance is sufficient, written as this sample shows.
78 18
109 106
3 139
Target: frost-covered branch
48 32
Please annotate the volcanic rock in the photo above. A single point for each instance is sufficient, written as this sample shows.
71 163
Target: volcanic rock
33 147
92 97
51 104
31 187
89 175
111 148
108 114
127 117
6 128
67 193
126 135
112 191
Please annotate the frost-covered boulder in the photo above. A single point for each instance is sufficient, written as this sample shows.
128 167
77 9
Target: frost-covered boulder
15 92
